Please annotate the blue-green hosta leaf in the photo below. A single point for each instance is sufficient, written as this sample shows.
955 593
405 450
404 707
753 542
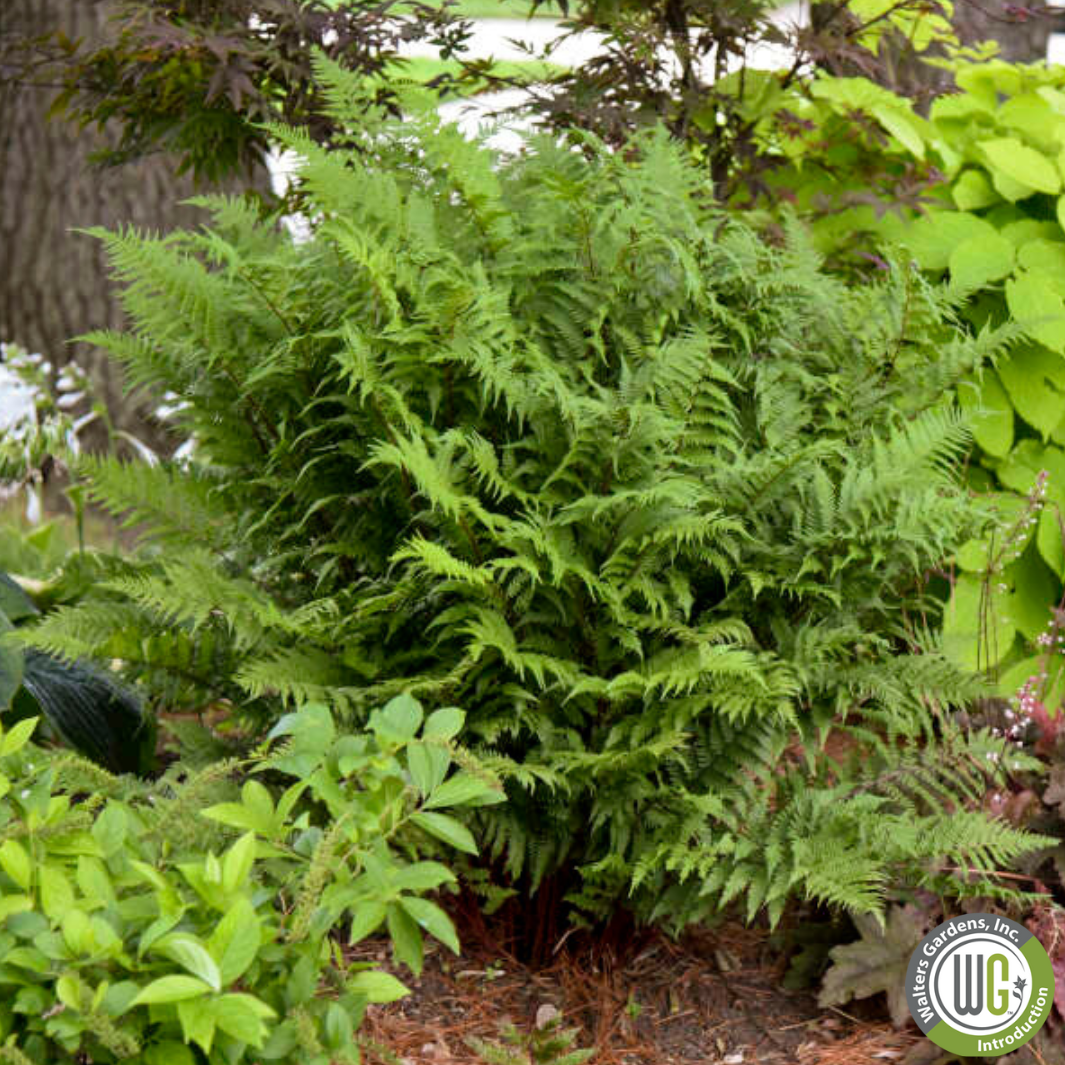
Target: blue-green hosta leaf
15 604
90 712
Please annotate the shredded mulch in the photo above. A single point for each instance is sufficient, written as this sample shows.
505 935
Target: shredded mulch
713 998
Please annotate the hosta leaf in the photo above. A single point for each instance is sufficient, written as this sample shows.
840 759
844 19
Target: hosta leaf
91 712
1035 304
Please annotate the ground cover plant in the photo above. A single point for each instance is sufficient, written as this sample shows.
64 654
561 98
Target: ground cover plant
558 440
142 920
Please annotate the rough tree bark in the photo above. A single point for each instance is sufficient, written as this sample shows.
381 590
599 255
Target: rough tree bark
1022 33
53 281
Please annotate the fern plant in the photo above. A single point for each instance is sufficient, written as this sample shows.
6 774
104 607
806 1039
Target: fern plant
555 437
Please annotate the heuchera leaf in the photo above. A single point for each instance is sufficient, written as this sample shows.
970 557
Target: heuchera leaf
876 962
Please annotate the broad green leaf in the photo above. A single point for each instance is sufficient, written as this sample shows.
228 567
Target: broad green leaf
376 986
447 829
192 954
900 123
242 1017
1036 589
171 989
16 863
1034 303
1051 691
365 920
339 1030
110 828
990 413
977 634
978 261
433 919
406 937
421 876
1019 163
169 1052
462 789
15 604
972 191
235 941
428 765
16 737
238 862
12 669
57 893
1034 379
1045 259
1049 538
197 1022
972 556
444 724
400 719
932 237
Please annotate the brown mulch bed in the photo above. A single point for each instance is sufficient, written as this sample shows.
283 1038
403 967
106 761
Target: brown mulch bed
713 998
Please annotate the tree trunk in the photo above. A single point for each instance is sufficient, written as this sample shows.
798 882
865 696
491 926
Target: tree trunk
1022 34
53 281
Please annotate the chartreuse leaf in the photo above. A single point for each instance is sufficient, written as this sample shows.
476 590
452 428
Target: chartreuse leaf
1035 589
16 863
1045 259
175 988
1050 691
1035 304
17 736
376 986
238 862
972 191
976 633
933 237
1012 158
1034 379
1050 538
978 261
990 413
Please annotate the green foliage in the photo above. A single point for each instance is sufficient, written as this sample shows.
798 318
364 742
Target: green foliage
876 962
149 920
993 229
83 707
546 1044
557 439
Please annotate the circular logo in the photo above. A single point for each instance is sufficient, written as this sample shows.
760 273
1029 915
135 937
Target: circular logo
980 985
